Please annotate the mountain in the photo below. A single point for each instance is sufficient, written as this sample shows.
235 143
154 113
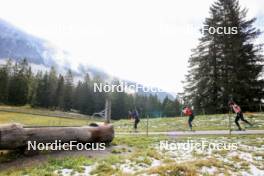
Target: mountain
17 44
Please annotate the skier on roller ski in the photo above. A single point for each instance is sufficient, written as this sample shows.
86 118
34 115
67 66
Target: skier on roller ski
239 114
188 112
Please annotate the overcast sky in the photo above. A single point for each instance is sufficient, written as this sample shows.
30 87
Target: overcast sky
147 41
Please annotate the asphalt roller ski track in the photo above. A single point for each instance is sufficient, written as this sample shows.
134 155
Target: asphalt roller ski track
192 133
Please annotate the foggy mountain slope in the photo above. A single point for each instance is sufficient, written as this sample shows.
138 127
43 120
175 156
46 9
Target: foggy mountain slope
17 44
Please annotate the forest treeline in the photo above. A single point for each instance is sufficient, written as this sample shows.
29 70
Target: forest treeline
19 85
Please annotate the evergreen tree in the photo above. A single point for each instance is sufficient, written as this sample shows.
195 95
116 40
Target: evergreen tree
68 91
98 98
152 106
59 93
226 66
52 85
4 79
34 86
85 96
118 103
77 102
129 103
18 85
42 92
178 107
169 108
31 85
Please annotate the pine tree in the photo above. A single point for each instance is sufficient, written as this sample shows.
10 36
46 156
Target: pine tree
118 103
42 92
77 102
68 91
18 85
52 85
129 103
98 98
59 93
169 107
31 85
153 106
85 97
4 80
225 66
34 86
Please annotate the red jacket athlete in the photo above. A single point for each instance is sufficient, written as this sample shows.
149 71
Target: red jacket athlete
188 111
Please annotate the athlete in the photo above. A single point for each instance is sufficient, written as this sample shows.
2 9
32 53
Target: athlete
239 114
135 116
188 112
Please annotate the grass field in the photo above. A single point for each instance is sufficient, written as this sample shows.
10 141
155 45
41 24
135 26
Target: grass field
141 155
29 119
41 111
30 116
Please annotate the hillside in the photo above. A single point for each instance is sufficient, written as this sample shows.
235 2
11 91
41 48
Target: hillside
17 44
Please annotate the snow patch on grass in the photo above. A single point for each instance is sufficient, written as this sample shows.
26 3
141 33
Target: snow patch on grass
71 172
253 171
209 170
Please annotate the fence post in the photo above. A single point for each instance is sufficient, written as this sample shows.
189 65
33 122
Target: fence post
107 110
260 108
229 121
147 123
